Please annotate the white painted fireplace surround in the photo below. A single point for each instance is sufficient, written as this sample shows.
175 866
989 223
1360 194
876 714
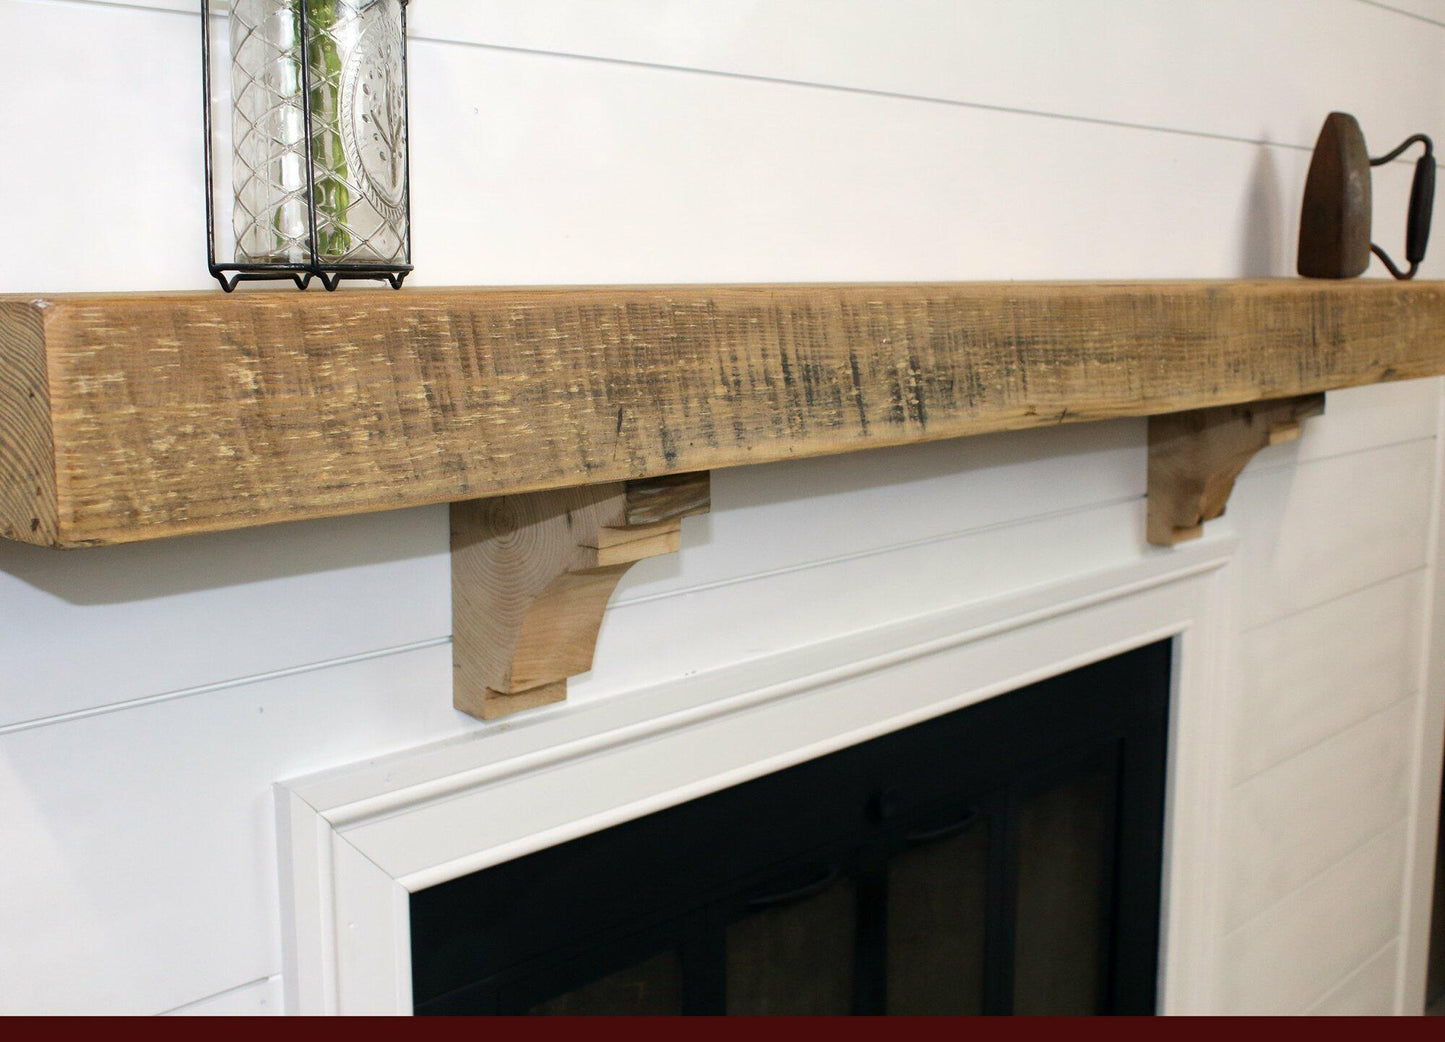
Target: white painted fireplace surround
152 697
356 843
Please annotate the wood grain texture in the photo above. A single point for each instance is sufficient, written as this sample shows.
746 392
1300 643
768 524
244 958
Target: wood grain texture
629 545
27 464
532 575
669 498
176 414
1195 457
515 557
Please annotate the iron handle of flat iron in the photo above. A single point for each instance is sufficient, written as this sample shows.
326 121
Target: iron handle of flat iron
1422 206
1422 203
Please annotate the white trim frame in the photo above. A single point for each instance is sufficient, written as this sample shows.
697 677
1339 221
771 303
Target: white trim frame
356 842
1424 817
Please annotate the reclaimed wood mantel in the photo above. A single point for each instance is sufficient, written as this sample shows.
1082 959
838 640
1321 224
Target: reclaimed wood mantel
140 416
127 417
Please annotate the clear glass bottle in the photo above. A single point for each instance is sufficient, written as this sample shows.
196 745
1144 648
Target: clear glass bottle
355 79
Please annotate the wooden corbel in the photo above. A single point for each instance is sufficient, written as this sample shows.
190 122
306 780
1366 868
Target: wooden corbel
1195 456
532 574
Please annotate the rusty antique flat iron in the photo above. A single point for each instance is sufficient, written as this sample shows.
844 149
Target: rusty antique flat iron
1334 235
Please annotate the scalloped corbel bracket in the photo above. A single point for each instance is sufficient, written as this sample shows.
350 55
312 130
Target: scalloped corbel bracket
1195 456
532 575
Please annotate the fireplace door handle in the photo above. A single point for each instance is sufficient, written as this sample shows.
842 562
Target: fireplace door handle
828 877
944 831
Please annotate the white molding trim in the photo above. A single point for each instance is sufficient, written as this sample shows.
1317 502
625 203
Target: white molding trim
1424 814
356 841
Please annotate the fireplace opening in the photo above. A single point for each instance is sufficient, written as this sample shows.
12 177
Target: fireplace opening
1003 858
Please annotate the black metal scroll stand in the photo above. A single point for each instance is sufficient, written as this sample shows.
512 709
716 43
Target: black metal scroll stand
1335 221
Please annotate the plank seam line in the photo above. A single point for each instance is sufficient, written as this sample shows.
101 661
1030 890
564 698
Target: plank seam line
1289 757
878 551
878 92
220 994
1291 463
1420 568
1401 11
1368 841
873 92
1294 462
223 685
1352 974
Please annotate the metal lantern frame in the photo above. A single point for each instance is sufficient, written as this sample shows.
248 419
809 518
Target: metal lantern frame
301 273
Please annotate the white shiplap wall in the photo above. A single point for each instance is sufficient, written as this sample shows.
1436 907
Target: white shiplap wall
150 695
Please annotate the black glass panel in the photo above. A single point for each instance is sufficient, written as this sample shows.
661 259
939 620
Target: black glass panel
794 959
651 987
1063 850
937 896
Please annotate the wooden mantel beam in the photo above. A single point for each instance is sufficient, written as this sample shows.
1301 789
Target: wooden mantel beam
130 417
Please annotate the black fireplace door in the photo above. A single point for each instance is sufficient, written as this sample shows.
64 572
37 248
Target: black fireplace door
1004 858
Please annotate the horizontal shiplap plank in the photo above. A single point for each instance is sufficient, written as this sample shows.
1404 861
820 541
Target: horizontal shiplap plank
86 630
1293 821
1285 960
1361 418
1315 673
647 641
138 868
1132 61
1089 59
1368 992
1330 527
582 172
808 512
144 116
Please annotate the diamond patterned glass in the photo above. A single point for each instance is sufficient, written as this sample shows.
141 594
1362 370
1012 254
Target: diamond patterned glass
353 55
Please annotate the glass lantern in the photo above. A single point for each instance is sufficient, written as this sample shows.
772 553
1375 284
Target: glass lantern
312 153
